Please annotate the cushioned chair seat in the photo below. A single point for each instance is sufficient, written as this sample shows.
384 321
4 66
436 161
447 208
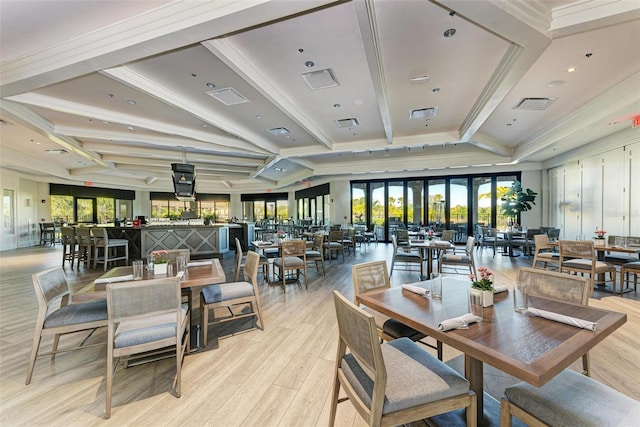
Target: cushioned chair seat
585 264
548 255
400 256
156 328
633 266
289 262
74 314
408 383
452 259
226 291
332 245
392 327
313 254
572 399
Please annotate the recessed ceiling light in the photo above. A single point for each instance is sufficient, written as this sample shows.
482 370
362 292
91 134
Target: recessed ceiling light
56 151
336 105
211 85
204 125
309 64
258 117
571 70
106 122
131 101
435 90
419 79
449 33
130 128
556 83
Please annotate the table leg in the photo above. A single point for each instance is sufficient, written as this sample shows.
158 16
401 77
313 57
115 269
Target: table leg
473 371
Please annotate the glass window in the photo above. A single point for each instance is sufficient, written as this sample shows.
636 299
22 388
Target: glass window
436 204
106 210
85 212
326 199
415 201
503 185
248 211
259 210
358 212
377 206
8 212
459 207
396 206
62 208
282 208
482 198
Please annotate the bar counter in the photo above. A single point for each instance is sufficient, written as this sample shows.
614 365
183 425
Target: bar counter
204 241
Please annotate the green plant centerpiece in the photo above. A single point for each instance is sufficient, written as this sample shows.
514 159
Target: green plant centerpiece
517 200
483 284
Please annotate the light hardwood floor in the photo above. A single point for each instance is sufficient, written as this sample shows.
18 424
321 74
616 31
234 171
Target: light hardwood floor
277 377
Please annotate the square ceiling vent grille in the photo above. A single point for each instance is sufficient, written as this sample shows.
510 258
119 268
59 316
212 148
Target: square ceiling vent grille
320 79
423 113
347 123
228 96
534 103
280 131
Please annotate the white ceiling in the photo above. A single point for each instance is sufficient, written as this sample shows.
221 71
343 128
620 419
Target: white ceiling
69 70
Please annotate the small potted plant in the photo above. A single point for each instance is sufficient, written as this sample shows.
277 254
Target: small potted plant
430 234
599 237
160 259
483 285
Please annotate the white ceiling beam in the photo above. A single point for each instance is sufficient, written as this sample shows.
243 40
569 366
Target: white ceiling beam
365 12
525 25
157 140
88 111
241 65
130 160
145 85
165 28
625 94
38 124
133 152
582 16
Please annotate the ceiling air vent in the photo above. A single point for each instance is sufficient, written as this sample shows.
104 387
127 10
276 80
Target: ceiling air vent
320 79
347 123
423 113
280 131
534 103
228 96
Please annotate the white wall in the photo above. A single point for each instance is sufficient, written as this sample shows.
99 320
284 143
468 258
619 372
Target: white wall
340 202
597 190
26 201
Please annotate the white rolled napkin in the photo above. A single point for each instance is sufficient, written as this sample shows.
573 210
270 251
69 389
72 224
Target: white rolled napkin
416 289
580 323
114 279
458 322
198 263
500 288
180 274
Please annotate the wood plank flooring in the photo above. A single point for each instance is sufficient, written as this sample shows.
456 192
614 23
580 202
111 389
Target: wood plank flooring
277 377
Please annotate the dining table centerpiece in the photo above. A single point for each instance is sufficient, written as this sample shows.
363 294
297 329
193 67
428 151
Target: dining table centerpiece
483 284
160 259
598 239
430 235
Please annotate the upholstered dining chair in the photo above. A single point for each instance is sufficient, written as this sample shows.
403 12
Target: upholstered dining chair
406 256
490 239
456 261
51 289
315 254
372 276
173 254
561 287
109 248
579 256
393 383
294 257
333 244
145 317
241 259
231 296
543 251
627 270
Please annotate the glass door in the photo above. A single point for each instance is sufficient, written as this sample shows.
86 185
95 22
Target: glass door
86 212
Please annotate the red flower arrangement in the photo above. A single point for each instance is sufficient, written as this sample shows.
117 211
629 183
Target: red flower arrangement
600 234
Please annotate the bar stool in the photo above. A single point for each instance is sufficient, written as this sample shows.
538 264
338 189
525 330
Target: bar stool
85 246
109 248
69 245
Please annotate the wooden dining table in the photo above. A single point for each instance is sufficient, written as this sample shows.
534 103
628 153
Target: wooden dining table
195 278
530 348
428 248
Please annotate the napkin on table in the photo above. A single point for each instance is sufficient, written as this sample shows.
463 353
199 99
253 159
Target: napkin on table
198 263
458 322
500 288
416 288
580 323
114 279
